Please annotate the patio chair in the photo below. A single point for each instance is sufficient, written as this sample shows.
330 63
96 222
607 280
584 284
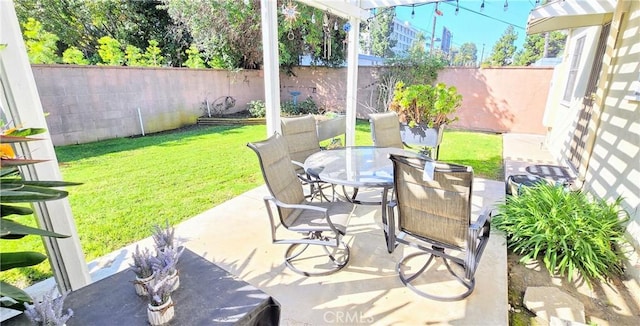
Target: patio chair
434 216
321 224
301 137
385 129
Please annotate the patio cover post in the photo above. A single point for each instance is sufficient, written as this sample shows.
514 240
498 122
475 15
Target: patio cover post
352 80
268 10
21 102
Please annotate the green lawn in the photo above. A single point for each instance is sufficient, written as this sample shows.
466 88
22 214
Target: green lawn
130 184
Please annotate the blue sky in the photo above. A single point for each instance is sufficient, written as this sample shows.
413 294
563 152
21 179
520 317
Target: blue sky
470 25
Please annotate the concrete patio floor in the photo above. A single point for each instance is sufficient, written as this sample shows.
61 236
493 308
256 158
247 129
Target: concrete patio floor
235 235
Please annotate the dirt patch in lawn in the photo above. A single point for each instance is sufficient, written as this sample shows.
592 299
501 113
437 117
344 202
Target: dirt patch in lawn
614 303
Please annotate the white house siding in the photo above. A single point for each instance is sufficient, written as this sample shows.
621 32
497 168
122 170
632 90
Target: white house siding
614 167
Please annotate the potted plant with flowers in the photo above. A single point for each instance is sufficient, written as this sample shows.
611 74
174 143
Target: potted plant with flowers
160 309
142 267
164 237
424 110
49 310
165 263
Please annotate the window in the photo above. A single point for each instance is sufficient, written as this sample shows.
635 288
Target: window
573 71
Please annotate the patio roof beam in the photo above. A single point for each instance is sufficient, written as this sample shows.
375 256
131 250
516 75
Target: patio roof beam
569 14
339 8
370 4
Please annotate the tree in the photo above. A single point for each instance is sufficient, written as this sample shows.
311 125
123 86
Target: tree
110 51
133 57
74 56
228 31
534 46
504 49
41 45
82 23
467 55
152 56
194 59
419 45
380 29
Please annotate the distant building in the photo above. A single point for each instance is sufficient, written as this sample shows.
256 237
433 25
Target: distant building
404 34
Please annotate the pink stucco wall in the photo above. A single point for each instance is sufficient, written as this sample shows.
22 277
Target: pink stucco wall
90 103
501 99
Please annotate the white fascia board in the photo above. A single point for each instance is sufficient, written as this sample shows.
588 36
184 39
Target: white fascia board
568 14
369 4
339 8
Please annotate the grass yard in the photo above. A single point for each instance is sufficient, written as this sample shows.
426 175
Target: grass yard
130 184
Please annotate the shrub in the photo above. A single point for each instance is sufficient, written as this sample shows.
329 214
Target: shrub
307 106
571 232
257 109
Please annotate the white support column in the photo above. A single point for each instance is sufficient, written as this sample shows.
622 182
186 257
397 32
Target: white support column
271 64
23 106
352 80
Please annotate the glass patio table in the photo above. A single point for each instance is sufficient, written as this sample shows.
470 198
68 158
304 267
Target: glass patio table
358 167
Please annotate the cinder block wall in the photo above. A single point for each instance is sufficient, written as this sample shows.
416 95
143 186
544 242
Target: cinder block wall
91 103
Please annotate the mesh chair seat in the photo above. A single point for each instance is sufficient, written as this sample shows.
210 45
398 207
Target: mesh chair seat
434 216
321 224
308 220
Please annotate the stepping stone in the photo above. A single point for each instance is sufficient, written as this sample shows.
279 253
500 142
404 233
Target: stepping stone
546 302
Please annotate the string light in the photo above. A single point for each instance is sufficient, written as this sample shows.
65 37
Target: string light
482 6
413 11
457 7
506 5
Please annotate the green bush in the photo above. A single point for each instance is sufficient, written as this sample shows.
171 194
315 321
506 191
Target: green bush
257 109
307 106
569 231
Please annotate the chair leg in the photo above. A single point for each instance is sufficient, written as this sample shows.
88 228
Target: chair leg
407 280
338 257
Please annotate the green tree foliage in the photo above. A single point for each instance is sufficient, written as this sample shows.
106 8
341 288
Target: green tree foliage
133 56
418 47
82 23
467 55
41 45
504 49
380 29
534 47
228 31
110 51
74 56
194 58
152 55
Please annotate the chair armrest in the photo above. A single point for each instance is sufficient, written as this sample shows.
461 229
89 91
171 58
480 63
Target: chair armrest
298 163
307 207
484 220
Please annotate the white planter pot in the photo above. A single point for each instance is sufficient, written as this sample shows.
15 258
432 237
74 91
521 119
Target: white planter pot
161 315
139 284
421 135
175 277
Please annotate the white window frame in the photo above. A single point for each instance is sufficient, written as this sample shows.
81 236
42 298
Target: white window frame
572 76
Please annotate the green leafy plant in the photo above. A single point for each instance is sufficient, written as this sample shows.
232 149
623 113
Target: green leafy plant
307 106
257 109
426 104
14 193
570 231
